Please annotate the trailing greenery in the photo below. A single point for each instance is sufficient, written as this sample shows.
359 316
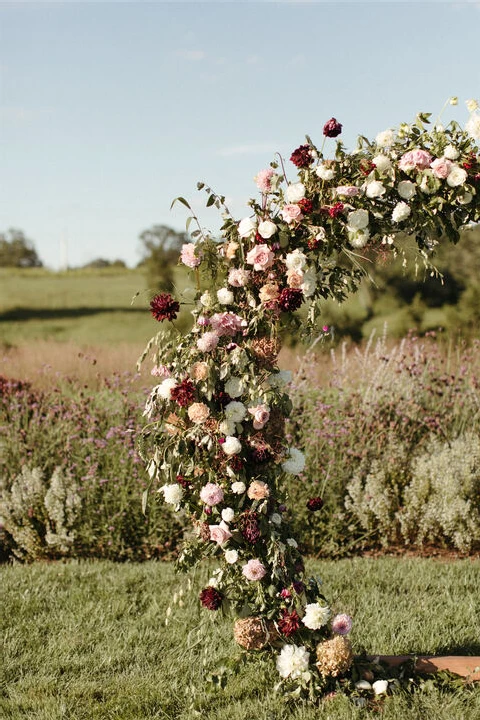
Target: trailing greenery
89 641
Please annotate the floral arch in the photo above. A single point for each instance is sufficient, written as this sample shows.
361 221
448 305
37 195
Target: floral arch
214 443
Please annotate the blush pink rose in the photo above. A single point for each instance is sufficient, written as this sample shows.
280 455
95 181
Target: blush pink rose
254 570
238 277
292 213
419 159
262 180
211 494
208 341
261 257
441 168
226 324
220 533
261 415
188 256
347 190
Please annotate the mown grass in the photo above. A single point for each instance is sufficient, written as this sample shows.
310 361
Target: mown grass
89 641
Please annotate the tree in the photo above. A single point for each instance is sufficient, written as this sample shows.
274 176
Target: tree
17 251
161 250
100 263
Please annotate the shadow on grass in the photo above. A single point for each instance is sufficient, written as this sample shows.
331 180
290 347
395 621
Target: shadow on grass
472 648
59 313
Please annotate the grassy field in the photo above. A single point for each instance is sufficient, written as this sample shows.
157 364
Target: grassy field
90 641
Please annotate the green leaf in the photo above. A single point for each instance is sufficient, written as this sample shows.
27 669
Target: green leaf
145 500
180 200
210 200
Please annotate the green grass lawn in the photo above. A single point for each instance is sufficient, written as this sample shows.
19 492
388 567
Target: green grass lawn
89 640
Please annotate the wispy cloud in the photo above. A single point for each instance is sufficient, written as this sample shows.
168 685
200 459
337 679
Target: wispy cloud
192 55
247 149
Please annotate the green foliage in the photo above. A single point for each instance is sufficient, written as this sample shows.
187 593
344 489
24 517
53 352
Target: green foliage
97 641
17 251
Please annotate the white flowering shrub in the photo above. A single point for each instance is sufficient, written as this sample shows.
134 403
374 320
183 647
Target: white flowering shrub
39 514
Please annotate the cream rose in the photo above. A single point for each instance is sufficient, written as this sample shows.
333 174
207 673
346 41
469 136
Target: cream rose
266 229
247 227
198 413
358 219
295 192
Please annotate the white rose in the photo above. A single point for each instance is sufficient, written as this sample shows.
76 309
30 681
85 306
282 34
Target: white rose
357 220
172 493
325 172
276 519
295 192
266 229
293 661
382 163
234 387
309 282
296 260
406 189
400 212
472 126
227 427
165 387
225 296
380 687
231 556
451 152
316 616
456 176
238 488
228 514
235 411
295 463
385 138
247 227
206 299
359 239
374 189
231 446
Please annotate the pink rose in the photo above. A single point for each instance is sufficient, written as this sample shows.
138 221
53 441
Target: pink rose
226 324
292 213
238 277
220 533
260 256
211 494
419 159
208 342
254 570
189 257
295 278
347 190
441 168
263 178
261 415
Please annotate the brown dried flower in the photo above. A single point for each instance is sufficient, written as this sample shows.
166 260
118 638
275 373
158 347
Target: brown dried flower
334 656
253 633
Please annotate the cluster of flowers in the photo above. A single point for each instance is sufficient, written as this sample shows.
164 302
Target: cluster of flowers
215 437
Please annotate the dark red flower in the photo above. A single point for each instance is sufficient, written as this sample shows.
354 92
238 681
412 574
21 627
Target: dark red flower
164 307
336 209
477 177
221 398
298 586
366 167
249 527
235 463
332 128
290 299
289 622
315 503
306 205
302 156
210 598
186 484
184 393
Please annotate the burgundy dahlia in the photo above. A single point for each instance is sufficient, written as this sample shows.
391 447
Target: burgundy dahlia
290 299
186 484
235 463
289 622
332 128
306 205
210 598
302 156
315 503
184 393
164 307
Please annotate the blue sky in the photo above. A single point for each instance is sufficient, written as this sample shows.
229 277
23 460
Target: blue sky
110 110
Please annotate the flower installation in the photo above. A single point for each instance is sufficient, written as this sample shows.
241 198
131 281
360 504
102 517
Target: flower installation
215 444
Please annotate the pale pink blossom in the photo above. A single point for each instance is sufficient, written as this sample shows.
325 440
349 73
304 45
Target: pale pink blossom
189 257
261 257
342 624
419 159
208 342
347 190
261 415
211 494
220 533
254 570
263 178
441 168
295 278
238 277
226 324
160 371
292 213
